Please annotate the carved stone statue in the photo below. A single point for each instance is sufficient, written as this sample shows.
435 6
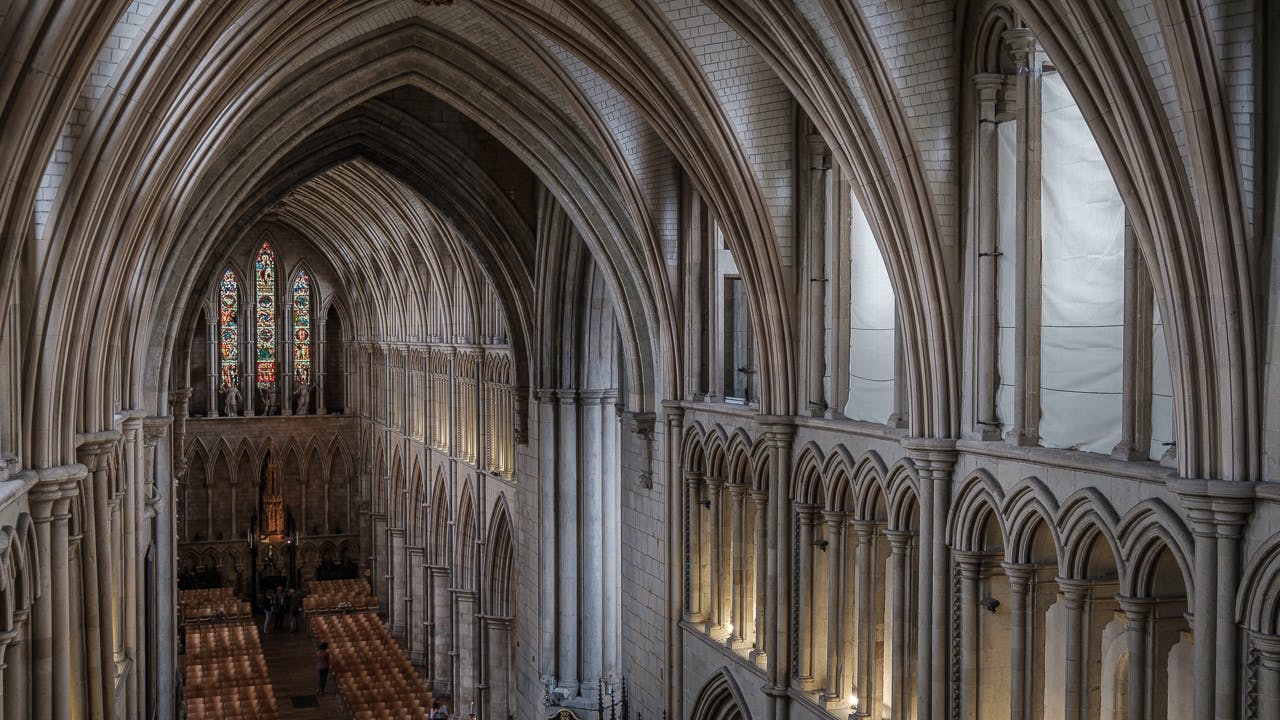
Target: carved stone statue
304 397
231 406
270 399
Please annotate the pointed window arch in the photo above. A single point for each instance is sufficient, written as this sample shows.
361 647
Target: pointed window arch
265 315
229 327
302 327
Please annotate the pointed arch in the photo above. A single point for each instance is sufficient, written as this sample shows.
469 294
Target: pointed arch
720 699
806 476
903 486
869 489
976 502
499 564
762 461
465 552
1029 509
1258 603
229 327
1085 518
302 296
1149 529
694 454
739 451
414 516
717 446
438 550
265 318
838 471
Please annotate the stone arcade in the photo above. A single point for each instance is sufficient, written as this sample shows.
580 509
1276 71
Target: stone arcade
758 358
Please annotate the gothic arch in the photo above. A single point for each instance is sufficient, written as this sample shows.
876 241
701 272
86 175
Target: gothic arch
438 550
694 449
465 551
838 469
500 563
720 699
1148 530
975 502
739 451
1029 507
904 496
1258 603
869 489
807 486
717 447
1085 519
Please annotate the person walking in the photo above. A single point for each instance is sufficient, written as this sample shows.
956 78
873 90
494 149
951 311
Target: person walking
322 667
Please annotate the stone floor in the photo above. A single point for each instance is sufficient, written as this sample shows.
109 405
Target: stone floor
292 667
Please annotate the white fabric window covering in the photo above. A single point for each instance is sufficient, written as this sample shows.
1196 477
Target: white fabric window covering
1082 283
1161 390
871 325
1006 270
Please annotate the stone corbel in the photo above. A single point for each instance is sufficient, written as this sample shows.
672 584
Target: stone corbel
520 423
641 423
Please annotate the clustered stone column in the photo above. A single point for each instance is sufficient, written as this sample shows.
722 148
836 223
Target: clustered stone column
806 516
1021 580
51 510
864 557
737 500
760 501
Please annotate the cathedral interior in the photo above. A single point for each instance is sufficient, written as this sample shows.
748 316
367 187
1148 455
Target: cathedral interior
681 359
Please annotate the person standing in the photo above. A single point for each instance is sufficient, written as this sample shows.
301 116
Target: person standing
266 610
322 667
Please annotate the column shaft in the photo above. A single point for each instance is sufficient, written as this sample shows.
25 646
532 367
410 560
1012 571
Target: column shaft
805 516
715 548
760 630
738 590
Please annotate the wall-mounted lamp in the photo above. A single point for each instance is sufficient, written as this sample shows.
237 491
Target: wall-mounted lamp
821 544
989 603
854 712
705 502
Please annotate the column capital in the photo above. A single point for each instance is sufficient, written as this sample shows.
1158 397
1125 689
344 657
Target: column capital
132 420
900 540
1268 647
154 427
1216 508
1022 45
932 456
737 491
1020 575
835 517
970 561
777 430
807 513
1074 591
866 529
54 489
95 449
1137 609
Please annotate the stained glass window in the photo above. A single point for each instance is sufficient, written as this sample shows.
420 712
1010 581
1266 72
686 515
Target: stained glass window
302 328
265 289
229 328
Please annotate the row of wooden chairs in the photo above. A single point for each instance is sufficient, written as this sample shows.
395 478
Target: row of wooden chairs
333 595
212 603
226 674
376 680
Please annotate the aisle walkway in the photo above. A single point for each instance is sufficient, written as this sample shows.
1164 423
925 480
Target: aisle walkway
292 667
